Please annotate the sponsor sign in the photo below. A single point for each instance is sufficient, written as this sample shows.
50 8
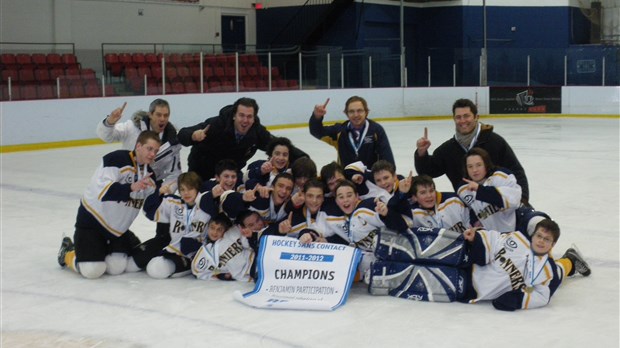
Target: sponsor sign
314 276
523 100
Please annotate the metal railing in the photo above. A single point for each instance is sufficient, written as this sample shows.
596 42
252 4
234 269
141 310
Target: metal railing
255 68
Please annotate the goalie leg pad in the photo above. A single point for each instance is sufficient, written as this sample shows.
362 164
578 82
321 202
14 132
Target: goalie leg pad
415 282
423 246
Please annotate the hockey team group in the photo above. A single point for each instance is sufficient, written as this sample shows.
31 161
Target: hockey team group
484 241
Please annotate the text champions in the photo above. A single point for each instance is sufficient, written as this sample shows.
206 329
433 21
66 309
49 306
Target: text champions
312 274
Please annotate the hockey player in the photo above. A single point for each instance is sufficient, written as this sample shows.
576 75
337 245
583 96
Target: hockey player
269 202
264 171
422 206
381 181
355 222
506 268
177 217
331 174
303 170
228 258
167 165
227 175
306 216
175 260
111 202
492 193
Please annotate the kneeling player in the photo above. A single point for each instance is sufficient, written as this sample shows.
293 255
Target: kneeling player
110 204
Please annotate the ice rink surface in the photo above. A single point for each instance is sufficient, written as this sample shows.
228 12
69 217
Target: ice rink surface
573 171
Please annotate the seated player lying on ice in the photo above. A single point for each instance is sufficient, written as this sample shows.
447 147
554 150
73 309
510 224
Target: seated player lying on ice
440 265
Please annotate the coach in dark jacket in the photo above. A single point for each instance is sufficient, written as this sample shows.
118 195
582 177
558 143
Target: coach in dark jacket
448 157
357 139
235 134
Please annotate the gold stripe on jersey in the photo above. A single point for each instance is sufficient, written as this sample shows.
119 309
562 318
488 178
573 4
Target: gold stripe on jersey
521 239
364 211
485 241
104 191
528 297
339 218
128 169
448 203
101 220
171 248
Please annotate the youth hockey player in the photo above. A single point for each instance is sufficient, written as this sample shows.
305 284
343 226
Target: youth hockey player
506 268
177 217
306 216
492 193
167 164
422 206
264 171
175 260
227 258
110 204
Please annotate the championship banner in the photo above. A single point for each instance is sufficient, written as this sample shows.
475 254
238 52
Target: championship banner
314 276
524 100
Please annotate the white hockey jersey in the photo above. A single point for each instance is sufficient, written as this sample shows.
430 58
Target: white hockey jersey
231 254
495 201
506 269
450 213
167 165
185 221
371 189
108 197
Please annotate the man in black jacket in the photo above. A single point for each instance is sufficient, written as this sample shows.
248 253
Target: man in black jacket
235 134
448 157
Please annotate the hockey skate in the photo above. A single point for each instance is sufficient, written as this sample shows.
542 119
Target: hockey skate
579 263
65 247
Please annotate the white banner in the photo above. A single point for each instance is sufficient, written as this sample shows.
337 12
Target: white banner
315 276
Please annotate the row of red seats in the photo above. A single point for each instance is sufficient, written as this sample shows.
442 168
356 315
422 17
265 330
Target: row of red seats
154 87
183 73
116 63
49 91
38 60
42 75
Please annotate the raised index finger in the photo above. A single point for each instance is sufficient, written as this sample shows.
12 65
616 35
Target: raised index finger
425 132
326 102
123 107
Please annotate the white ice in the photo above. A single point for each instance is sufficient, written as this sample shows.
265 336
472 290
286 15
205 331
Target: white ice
573 171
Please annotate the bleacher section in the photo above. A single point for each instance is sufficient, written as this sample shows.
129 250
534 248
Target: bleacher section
182 73
47 76
53 75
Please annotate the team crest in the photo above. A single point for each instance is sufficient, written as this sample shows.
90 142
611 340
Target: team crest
468 199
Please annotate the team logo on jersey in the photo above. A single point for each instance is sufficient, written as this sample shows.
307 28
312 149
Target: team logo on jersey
468 199
202 263
511 243
362 221
178 213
